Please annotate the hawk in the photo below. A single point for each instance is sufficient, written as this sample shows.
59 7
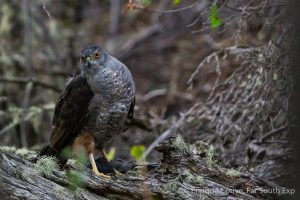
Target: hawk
94 107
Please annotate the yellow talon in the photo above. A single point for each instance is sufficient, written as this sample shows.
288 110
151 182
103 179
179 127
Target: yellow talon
118 173
101 174
95 169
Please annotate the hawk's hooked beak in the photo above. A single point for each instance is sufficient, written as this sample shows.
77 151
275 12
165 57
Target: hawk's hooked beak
88 60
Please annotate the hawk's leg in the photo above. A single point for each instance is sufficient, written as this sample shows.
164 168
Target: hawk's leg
106 158
94 167
85 144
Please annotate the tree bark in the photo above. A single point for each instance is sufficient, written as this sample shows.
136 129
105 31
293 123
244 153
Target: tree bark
187 171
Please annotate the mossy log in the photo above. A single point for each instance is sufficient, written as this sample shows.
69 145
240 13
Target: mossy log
186 172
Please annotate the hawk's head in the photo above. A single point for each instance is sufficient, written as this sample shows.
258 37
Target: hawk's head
91 59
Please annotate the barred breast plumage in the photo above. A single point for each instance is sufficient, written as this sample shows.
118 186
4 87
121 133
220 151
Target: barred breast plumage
114 95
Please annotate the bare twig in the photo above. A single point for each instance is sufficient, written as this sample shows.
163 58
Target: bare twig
154 93
132 5
28 56
46 10
254 8
168 132
141 36
114 15
9 127
23 121
229 50
272 132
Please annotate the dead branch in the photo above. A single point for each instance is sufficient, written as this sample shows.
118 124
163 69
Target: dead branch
131 5
167 133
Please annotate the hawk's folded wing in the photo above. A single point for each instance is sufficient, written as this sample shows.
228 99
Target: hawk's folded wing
71 113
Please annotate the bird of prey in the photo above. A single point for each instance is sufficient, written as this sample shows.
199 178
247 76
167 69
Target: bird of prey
94 107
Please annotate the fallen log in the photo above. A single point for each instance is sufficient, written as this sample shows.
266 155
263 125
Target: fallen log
186 171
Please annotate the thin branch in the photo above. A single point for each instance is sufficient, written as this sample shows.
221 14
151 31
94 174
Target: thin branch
168 132
114 17
168 11
234 50
46 10
254 8
132 5
139 37
9 127
23 121
274 131
114 23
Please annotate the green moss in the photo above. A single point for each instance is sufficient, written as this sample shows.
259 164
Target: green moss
19 175
133 173
8 148
78 193
201 146
60 192
190 178
208 150
180 144
187 175
233 172
161 169
196 148
76 178
204 197
46 165
210 154
24 152
184 194
171 186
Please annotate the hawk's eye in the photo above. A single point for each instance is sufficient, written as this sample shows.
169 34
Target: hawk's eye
83 58
97 54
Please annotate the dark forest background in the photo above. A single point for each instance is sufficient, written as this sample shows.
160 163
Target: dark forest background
215 71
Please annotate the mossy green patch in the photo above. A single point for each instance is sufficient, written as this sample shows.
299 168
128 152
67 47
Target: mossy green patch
77 178
23 152
60 192
8 148
78 193
46 165
171 186
233 172
180 144
210 154
201 146
191 178
19 175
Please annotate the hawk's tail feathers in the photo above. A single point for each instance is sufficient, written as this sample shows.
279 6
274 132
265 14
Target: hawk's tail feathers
50 151
47 151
